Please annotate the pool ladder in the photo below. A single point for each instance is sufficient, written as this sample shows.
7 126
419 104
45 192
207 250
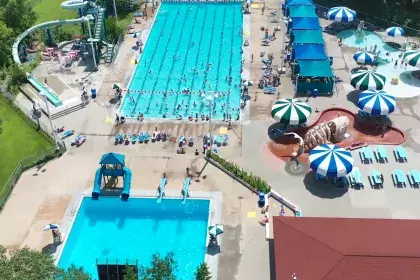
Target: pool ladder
150 63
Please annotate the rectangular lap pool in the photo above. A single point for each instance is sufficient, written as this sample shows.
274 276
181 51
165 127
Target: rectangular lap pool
134 230
192 48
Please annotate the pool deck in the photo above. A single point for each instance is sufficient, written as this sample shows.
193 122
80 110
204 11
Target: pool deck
44 194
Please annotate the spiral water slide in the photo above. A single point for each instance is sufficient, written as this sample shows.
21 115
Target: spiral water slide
68 5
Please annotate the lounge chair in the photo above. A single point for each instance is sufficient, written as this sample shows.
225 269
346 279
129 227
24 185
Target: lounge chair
191 141
66 134
146 137
154 135
269 90
165 136
141 137
126 139
219 141
118 139
133 138
78 140
225 140
181 141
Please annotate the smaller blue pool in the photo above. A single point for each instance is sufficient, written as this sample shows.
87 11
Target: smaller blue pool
366 39
109 229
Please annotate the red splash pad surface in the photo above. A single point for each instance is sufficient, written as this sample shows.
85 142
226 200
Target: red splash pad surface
284 146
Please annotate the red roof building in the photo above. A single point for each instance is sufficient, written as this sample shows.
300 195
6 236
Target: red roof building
346 249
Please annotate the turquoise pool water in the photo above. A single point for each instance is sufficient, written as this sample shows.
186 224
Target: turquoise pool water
185 39
369 40
134 230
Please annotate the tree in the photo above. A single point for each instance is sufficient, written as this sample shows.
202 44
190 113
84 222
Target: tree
18 15
26 263
1 129
6 39
74 273
160 268
130 273
202 272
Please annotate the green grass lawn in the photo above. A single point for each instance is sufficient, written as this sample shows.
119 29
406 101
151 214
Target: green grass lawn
19 139
48 10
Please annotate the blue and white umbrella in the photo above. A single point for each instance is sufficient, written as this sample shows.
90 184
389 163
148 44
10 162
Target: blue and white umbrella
51 226
376 102
364 57
395 31
330 160
341 14
215 230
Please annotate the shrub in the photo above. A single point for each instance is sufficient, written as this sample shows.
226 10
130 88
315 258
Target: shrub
256 182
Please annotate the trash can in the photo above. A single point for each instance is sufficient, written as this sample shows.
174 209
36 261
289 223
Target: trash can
261 199
93 93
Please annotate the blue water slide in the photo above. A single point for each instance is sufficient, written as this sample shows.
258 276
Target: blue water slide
185 189
97 184
127 184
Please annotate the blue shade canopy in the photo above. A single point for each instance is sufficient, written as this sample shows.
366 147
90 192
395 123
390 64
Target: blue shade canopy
299 3
341 14
309 52
112 158
376 102
306 37
315 68
395 31
301 11
300 23
330 160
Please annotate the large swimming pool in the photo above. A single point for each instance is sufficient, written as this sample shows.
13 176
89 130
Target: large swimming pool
109 229
195 47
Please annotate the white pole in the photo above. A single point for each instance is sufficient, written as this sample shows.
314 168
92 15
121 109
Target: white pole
115 12
49 118
210 113
91 44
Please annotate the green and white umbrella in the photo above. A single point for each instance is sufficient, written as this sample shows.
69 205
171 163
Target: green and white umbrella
116 85
290 111
412 58
367 79
215 230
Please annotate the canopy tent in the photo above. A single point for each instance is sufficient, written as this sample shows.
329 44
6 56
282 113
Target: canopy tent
314 68
112 158
299 3
301 11
309 52
330 161
299 23
306 37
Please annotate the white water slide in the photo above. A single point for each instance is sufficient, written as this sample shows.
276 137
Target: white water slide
68 5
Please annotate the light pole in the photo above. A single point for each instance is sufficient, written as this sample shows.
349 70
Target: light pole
42 93
115 12
87 18
210 96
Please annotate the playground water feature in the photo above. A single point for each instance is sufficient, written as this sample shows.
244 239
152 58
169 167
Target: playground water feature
185 39
408 85
111 231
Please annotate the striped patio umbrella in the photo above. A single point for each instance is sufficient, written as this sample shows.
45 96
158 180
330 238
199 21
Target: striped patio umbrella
376 102
364 57
330 160
412 58
290 111
215 230
395 31
341 14
51 226
367 79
